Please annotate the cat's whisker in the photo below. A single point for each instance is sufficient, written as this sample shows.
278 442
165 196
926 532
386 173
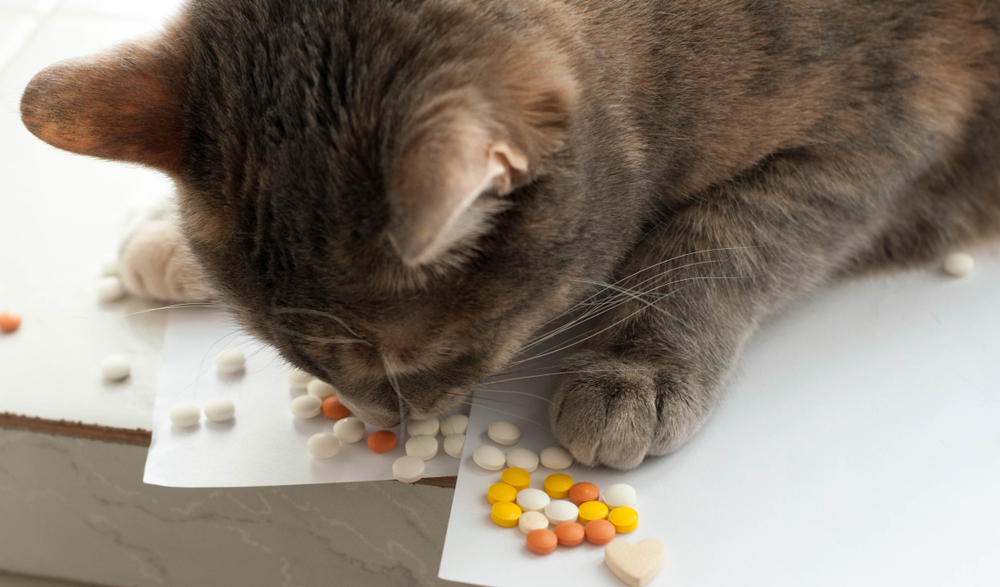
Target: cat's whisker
323 340
308 312
512 415
557 373
174 306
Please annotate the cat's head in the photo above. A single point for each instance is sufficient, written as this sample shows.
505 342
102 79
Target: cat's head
386 192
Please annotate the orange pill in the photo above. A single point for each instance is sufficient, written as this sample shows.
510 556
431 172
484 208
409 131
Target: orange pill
569 533
10 321
542 541
599 531
581 492
332 408
382 440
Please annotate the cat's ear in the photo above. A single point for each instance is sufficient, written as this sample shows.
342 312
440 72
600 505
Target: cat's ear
120 104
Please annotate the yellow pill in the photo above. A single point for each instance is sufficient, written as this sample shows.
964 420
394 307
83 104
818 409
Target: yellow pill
501 492
505 514
517 478
624 519
557 485
592 510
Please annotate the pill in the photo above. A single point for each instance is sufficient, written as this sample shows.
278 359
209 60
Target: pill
504 433
454 444
581 492
559 511
220 409
624 519
306 406
557 485
323 445
569 533
532 500
454 424
505 513
500 492
599 531
542 541
349 430
320 389
408 469
958 264
299 379
517 478
489 457
532 521
635 564
423 426
230 361
619 495
109 266
556 458
422 446
593 510
10 321
185 415
382 440
116 367
334 409
110 289
522 458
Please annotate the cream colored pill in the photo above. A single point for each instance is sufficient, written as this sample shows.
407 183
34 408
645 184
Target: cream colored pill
323 445
230 361
504 433
454 424
423 427
489 457
116 367
619 495
109 267
532 521
556 458
220 409
185 415
306 406
110 289
422 446
299 379
349 430
522 458
320 389
408 469
454 444
959 264
532 500
560 510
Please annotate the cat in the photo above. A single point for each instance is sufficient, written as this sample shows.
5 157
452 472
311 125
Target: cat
399 195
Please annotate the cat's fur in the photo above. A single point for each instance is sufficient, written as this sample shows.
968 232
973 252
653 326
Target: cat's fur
442 177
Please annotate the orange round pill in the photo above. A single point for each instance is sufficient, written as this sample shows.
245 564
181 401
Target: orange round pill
569 533
581 492
599 531
542 541
10 321
382 440
332 408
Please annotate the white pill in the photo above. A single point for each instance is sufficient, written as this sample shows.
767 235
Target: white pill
110 289
959 264
522 458
320 389
454 444
423 426
619 495
560 510
532 521
116 367
323 445
230 361
185 415
556 458
349 430
532 500
220 409
109 267
306 406
504 433
408 469
489 457
299 379
423 446
454 424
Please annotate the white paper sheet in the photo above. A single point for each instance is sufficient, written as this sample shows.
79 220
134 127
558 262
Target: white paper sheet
858 445
264 445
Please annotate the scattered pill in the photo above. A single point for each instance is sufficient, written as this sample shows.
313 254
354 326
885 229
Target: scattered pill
517 478
382 440
422 446
408 469
299 379
109 266
504 433
542 541
569 533
500 492
110 289
185 415
624 519
349 430
10 321
323 445
556 458
557 485
454 444
116 367
959 264
532 521
306 406
581 492
230 361
593 510
320 389
522 458
505 513
619 495
559 511
220 409
334 409
599 531
635 564
532 500
454 424
489 457
424 426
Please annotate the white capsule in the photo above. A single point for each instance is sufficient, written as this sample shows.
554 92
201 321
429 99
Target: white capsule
109 267
349 430
299 379
323 445
230 361
959 264
306 406
489 457
454 424
408 469
454 444
185 415
619 495
532 500
423 446
504 433
220 409
423 426
556 458
116 367
532 521
110 289
560 510
522 458
320 389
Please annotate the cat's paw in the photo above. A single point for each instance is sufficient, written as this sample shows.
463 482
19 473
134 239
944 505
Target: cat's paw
610 412
156 263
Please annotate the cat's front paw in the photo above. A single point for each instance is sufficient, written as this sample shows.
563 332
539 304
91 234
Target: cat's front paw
156 263
612 412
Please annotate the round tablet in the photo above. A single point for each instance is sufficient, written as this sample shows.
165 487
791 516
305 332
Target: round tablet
559 511
522 458
500 492
504 433
320 389
542 541
220 409
323 445
334 409
624 519
408 469
454 444
299 379
454 424
230 361
556 458
422 446
557 485
306 406
532 500
10 322
619 495
593 510
185 415
581 492
569 533
489 457
599 531
116 367
110 289
532 521
959 264
109 266
424 426
517 478
505 513
382 440
349 430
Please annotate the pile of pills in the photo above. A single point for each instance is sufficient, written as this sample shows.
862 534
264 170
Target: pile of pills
185 415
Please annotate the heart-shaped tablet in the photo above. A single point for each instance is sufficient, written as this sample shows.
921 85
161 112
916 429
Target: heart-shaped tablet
635 564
